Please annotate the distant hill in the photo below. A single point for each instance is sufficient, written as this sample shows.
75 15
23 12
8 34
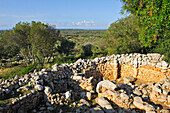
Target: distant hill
82 32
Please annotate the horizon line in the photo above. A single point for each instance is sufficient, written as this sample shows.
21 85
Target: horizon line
71 29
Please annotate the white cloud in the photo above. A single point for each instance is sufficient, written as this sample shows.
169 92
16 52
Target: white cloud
16 16
84 23
81 24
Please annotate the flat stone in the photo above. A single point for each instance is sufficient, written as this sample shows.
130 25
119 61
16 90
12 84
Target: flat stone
1 108
137 92
165 92
167 84
149 107
89 95
68 95
165 111
50 108
89 88
84 102
83 95
138 102
39 87
47 90
144 91
107 84
150 111
42 108
77 78
124 96
121 110
133 111
34 111
168 98
96 110
129 79
164 64
105 105
113 94
157 89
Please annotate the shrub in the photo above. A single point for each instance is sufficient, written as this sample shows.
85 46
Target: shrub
163 47
122 36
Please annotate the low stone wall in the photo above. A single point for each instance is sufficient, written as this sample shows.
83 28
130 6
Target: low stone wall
149 68
24 103
66 83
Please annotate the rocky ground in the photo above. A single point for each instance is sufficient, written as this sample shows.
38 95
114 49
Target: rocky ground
80 87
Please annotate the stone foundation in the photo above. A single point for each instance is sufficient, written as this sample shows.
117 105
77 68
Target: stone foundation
66 83
152 70
24 104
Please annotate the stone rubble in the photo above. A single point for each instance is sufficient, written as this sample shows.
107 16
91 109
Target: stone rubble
126 83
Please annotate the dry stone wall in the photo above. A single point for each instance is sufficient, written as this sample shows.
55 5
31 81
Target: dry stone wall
23 104
85 80
149 68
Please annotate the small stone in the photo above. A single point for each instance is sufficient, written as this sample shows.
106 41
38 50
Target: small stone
133 111
124 96
137 92
50 108
166 84
39 87
149 107
105 105
168 98
47 90
84 102
89 88
96 110
144 91
150 111
165 111
42 108
113 94
165 92
107 84
164 64
48 104
129 79
83 95
43 70
77 78
89 95
157 89
121 110
34 111
1 108
68 95
138 102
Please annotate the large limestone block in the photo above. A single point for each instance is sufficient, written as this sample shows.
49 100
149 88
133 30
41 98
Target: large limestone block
106 84
138 102
105 105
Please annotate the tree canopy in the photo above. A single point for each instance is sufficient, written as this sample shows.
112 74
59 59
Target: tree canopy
122 36
35 41
153 18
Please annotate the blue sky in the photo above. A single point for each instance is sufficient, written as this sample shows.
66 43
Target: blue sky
76 14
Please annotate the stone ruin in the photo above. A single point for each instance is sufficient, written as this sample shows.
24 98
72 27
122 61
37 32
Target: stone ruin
126 83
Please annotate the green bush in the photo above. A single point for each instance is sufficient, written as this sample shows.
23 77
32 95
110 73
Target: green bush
67 59
122 36
153 18
163 47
